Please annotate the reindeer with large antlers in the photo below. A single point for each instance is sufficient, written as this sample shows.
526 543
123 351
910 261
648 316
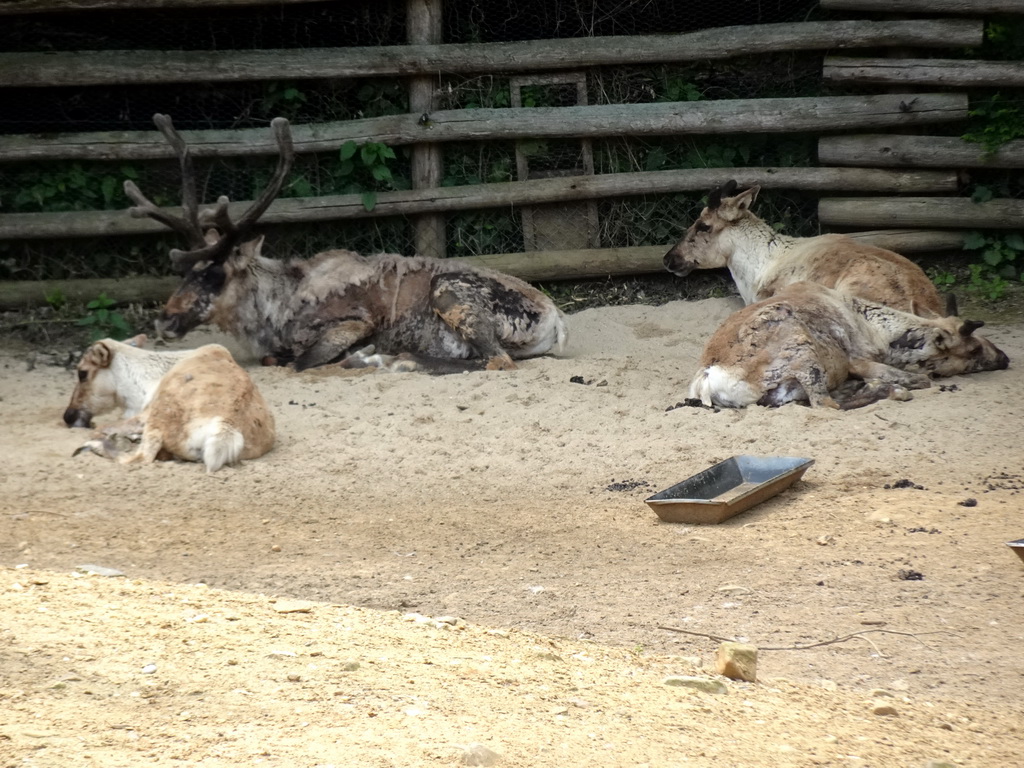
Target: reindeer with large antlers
433 314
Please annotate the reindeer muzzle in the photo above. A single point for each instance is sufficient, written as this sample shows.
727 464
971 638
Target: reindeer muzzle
78 417
168 327
677 266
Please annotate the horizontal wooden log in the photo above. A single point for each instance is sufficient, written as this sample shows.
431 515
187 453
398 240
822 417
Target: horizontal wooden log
10 7
916 152
973 7
916 72
959 212
150 67
533 266
535 192
787 115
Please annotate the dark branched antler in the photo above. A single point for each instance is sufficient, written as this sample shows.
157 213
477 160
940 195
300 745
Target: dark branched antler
211 233
726 190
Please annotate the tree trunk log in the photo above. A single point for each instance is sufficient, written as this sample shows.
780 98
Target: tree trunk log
533 266
65 6
973 7
958 212
917 152
151 67
482 196
787 115
939 72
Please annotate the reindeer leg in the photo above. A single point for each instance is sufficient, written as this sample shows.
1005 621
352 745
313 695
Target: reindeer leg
468 305
333 343
881 382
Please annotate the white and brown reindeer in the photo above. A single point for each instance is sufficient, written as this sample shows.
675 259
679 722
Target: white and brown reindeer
804 343
435 314
193 405
763 262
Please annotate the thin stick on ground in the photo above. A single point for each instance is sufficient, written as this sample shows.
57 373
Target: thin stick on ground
853 635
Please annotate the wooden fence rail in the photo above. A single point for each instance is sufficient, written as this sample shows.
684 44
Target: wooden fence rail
151 67
916 152
974 7
959 212
10 7
503 195
536 265
954 73
785 115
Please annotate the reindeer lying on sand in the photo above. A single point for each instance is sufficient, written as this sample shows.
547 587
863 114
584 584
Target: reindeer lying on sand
196 405
432 312
805 342
763 262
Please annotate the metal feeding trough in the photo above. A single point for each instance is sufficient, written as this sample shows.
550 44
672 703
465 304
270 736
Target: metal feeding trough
1017 546
728 488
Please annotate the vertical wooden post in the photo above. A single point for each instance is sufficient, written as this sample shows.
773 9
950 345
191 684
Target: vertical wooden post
423 25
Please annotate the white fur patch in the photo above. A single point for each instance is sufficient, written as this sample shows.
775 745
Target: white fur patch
550 333
214 442
715 385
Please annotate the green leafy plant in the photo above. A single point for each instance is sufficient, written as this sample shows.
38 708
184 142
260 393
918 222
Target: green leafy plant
366 169
55 299
1000 254
998 123
283 99
104 320
66 187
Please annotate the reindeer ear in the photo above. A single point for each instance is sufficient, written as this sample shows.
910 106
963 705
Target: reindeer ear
249 250
970 326
746 198
99 355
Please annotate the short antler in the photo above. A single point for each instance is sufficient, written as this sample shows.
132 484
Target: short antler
198 227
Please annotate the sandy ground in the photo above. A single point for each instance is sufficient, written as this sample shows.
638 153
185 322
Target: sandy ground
511 505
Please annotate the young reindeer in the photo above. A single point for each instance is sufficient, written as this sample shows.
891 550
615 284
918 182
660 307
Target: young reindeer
437 315
194 405
803 344
763 262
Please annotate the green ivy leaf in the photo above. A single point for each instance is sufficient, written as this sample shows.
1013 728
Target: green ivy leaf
973 241
348 150
369 200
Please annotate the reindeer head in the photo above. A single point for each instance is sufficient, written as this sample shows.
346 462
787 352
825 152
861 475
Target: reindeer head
706 243
96 390
947 346
220 249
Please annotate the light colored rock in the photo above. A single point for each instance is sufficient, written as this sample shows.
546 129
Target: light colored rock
705 684
883 708
293 606
99 570
737 661
734 589
478 754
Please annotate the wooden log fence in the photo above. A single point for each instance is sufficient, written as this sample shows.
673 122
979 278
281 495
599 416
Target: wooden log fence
428 60
916 151
533 266
10 7
958 212
974 7
948 73
781 115
502 195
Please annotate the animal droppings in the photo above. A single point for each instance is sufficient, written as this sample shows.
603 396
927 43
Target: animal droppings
907 574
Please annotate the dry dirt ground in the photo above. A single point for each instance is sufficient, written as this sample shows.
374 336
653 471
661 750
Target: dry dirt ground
511 505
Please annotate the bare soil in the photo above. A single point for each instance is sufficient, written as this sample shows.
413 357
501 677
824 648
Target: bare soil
275 613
